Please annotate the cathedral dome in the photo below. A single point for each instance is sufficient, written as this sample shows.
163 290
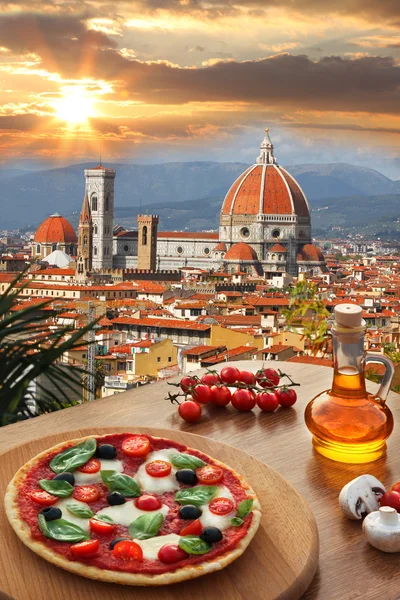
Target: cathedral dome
265 188
55 230
241 251
311 253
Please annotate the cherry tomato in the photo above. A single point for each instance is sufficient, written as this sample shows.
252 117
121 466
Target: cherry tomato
229 374
210 379
86 548
286 397
187 382
202 393
92 466
221 396
194 528
171 553
127 550
43 498
101 527
391 499
137 445
210 474
158 468
247 377
190 411
147 502
267 378
267 401
221 506
243 400
86 493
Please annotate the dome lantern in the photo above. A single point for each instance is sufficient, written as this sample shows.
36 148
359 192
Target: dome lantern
267 151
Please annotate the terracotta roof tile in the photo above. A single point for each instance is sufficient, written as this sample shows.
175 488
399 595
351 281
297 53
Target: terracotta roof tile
55 229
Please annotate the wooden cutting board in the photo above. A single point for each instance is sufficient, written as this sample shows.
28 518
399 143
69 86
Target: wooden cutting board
279 563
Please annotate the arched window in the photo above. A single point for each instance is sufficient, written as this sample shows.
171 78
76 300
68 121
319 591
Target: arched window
95 250
85 240
273 256
94 202
37 248
95 230
144 236
107 204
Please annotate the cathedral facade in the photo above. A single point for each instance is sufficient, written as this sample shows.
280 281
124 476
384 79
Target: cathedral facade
264 229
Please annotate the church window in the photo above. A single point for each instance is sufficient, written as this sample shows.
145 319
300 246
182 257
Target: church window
280 257
244 232
95 230
206 250
94 201
107 204
144 236
95 250
37 248
273 256
85 239
276 233
126 248
54 247
179 250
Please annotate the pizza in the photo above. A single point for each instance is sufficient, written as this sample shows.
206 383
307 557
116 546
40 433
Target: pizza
132 509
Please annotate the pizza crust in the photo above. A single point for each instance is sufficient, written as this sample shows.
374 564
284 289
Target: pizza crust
23 531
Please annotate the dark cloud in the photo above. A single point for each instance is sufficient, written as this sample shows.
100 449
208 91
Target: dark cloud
24 122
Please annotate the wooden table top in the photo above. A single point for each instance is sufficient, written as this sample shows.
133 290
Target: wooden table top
349 568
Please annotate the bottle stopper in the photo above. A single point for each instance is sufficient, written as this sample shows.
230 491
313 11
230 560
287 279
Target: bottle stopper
348 315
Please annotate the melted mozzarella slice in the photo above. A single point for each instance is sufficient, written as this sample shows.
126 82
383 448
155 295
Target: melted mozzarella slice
209 519
158 485
223 492
151 547
107 464
125 514
68 516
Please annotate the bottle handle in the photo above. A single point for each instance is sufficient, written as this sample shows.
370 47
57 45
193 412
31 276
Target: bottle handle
387 377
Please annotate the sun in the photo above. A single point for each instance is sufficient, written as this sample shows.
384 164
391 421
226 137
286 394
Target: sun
74 107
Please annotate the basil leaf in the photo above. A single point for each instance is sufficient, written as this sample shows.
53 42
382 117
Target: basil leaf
104 518
244 508
57 487
236 522
194 545
74 457
61 530
201 494
118 482
79 510
186 461
146 526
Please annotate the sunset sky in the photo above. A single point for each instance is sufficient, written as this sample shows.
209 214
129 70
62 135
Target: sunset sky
165 80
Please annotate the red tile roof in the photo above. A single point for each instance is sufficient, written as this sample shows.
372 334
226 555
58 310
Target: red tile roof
161 323
241 251
199 350
55 229
229 354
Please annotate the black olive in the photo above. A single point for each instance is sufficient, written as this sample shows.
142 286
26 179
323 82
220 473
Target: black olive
51 513
112 544
190 512
65 477
211 535
116 498
106 451
186 476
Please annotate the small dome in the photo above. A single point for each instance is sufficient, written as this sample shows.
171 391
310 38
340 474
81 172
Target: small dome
58 258
241 251
55 230
221 247
309 252
278 248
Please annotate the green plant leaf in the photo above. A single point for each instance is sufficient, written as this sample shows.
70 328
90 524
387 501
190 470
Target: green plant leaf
244 508
61 530
73 457
63 489
104 518
146 526
194 545
187 461
236 522
118 482
199 495
80 510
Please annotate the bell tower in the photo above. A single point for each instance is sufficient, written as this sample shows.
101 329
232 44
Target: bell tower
85 235
147 242
100 192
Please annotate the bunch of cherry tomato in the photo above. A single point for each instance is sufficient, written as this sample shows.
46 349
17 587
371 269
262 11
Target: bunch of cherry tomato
262 389
392 498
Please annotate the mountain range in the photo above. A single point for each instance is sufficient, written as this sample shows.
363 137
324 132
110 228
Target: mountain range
186 195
